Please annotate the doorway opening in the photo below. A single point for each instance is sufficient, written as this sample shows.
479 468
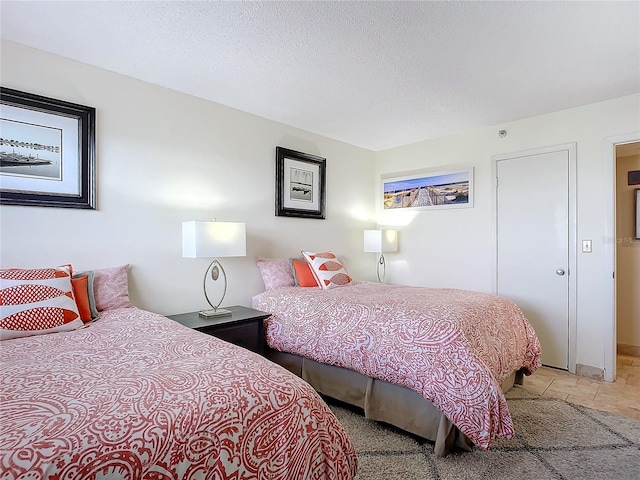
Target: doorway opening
627 250
612 243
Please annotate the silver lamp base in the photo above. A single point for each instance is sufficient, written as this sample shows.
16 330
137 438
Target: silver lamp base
381 268
217 273
216 312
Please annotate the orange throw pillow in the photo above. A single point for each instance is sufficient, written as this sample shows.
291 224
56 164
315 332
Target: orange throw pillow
81 294
302 273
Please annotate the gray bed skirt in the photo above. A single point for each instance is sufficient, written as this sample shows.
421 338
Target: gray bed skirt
383 401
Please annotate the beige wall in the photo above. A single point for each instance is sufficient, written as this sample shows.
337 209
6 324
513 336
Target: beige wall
456 247
164 157
627 256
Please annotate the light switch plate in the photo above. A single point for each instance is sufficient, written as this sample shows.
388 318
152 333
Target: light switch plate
586 246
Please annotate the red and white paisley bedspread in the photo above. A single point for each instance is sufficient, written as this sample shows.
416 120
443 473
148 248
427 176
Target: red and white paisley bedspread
137 396
453 347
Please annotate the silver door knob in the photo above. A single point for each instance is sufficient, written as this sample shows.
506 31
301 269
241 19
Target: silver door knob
560 272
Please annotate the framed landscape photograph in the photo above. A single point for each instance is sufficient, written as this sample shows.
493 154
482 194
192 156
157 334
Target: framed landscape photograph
47 151
428 189
300 184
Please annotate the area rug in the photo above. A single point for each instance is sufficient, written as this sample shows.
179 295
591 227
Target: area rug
554 440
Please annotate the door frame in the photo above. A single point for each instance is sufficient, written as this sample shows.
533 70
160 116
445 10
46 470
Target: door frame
610 340
570 148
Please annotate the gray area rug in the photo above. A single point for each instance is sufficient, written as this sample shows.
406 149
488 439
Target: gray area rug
554 440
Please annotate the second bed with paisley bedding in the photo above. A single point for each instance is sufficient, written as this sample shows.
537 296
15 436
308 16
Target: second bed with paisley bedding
423 350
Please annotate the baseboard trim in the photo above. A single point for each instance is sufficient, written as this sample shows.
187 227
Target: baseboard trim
589 371
631 350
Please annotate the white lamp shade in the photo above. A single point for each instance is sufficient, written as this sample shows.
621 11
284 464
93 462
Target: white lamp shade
213 239
379 241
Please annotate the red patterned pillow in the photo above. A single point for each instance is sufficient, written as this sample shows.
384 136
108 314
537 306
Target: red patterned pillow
37 301
328 269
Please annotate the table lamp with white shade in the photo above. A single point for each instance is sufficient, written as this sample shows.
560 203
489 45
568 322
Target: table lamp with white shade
214 240
380 241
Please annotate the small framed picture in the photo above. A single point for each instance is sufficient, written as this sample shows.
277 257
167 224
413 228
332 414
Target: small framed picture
47 151
300 184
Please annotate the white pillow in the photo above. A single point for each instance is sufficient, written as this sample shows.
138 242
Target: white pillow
328 269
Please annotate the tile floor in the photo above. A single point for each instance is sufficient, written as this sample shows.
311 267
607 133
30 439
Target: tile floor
621 397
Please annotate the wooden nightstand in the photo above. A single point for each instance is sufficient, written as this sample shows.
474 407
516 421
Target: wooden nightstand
244 327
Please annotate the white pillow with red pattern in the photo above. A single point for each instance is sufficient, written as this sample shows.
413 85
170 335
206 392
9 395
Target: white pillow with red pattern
37 301
327 269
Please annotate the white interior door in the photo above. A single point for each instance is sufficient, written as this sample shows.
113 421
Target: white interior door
533 240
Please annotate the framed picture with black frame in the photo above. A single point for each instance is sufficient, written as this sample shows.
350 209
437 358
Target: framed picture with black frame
300 184
47 151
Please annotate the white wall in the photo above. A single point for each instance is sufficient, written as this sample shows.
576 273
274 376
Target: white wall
627 257
455 247
164 157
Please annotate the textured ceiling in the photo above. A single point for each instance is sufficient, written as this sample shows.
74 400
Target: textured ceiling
372 74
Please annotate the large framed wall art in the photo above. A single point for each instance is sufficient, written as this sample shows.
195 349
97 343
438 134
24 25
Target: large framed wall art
47 151
300 184
428 189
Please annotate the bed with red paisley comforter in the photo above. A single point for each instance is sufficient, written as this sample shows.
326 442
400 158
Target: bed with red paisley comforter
419 348
138 396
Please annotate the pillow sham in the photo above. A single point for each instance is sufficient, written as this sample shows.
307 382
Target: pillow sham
302 273
85 299
327 269
37 301
111 288
276 272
